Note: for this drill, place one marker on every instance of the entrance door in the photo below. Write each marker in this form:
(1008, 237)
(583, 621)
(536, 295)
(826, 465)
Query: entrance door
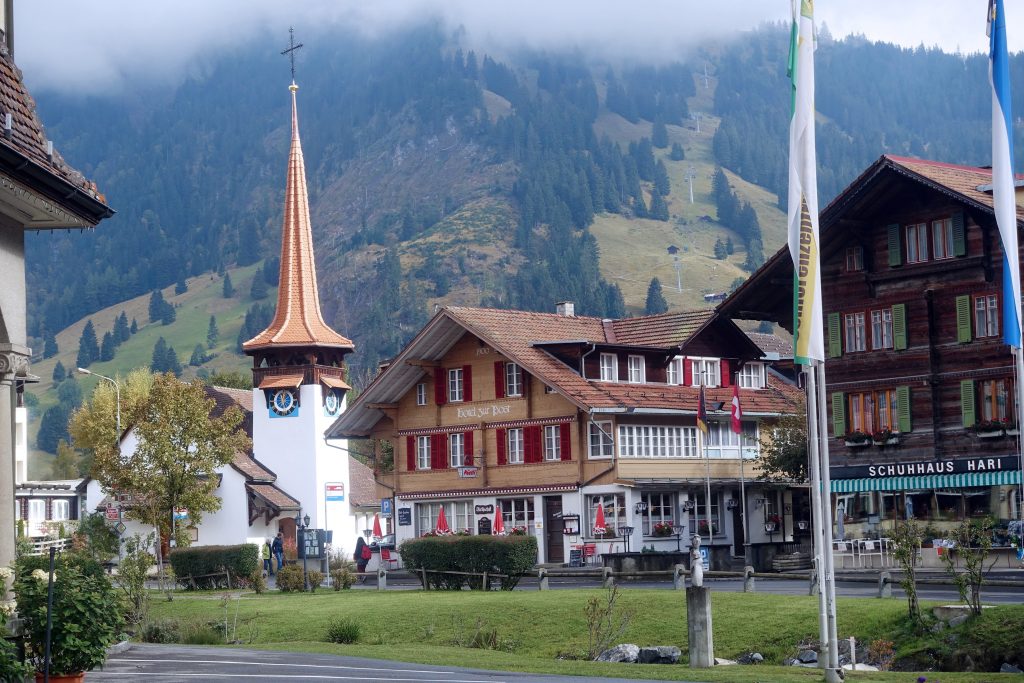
(737, 532)
(553, 526)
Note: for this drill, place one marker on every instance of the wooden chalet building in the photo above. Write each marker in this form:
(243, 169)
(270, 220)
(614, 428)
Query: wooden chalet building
(920, 383)
(544, 417)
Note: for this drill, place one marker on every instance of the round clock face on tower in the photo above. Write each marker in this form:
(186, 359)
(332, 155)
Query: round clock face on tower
(284, 402)
(332, 401)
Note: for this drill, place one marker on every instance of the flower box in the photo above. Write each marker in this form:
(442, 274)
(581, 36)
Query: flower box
(857, 444)
(1012, 432)
(994, 434)
(891, 441)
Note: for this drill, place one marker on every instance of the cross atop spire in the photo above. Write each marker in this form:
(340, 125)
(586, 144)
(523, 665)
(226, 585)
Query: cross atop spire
(290, 50)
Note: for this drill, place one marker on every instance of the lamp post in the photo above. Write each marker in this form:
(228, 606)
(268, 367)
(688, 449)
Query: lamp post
(117, 439)
(626, 532)
(302, 523)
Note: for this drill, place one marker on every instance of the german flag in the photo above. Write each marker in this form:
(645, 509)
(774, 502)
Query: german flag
(702, 413)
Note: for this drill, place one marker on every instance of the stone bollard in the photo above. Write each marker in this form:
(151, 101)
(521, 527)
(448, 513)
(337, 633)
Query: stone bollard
(607, 579)
(382, 579)
(970, 595)
(813, 589)
(542, 574)
(679, 577)
(884, 585)
(748, 579)
(698, 627)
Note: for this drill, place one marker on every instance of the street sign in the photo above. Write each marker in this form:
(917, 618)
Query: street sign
(335, 491)
(385, 508)
(468, 472)
(180, 514)
(112, 514)
(705, 558)
(120, 528)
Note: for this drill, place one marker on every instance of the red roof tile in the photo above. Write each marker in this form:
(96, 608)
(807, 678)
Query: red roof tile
(667, 329)
(275, 496)
(363, 488)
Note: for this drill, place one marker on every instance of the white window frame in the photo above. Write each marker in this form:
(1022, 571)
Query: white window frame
(855, 330)
(516, 447)
(657, 441)
(854, 259)
(660, 507)
(60, 509)
(609, 367)
(986, 315)
(752, 376)
(552, 443)
(455, 385)
(614, 513)
(601, 440)
(637, 369)
(708, 370)
(516, 512)
(917, 242)
(423, 452)
(722, 442)
(881, 329)
(39, 505)
(674, 371)
(699, 513)
(942, 239)
(457, 449)
(459, 513)
(421, 394)
(513, 380)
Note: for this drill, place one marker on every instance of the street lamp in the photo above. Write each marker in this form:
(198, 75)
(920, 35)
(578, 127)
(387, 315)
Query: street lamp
(117, 396)
(302, 523)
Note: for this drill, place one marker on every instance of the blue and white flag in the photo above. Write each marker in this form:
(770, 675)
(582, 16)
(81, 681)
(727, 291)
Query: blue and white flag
(1002, 171)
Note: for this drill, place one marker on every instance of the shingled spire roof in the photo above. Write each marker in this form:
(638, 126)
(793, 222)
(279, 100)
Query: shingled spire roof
(297, 321)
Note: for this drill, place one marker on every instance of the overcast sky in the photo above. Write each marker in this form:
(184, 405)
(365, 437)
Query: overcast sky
(98, 46)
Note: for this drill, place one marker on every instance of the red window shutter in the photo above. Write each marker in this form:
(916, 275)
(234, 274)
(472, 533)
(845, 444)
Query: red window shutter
(499, 379)
(526, 381)
(687, 372)
(726, 375)
(440, 386)
(501, 437)
(468, 448)
(443, 440)
(565, 439)
(410, 453)
(538, 443)
(467, 383)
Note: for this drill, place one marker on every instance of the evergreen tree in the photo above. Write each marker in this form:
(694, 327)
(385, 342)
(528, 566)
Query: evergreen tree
(107, 347)
(50, 346)
(158, 363)
(659, 133)
(272, 270)
(639, 205)
(180, 287)
(53, 428)
(88, 347)
(169, 314)
(59, 373)
(720, 249)
(661, 184)
(156, 306)
(659, 209)
(121, 331)
(173, 365)
(198, 356)
(259, 287)
(212, 333)
(229, 289)
(655, 299)
(135, 326)
(676, 154)
(730, 248)
(69, 393)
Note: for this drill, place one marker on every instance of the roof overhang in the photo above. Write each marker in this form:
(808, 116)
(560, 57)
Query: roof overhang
(39, 199)
(282, 382)
(334, 383)
(469, 493)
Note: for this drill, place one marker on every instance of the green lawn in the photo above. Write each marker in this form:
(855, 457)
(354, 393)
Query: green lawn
(535, 627)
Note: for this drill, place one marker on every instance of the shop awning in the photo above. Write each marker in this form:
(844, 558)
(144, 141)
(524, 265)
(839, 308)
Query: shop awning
(929, 481)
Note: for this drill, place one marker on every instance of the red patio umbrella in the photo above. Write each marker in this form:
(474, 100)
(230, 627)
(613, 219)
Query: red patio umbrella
(442, 523)
(376, 527)
(599, 527)
(499, 523)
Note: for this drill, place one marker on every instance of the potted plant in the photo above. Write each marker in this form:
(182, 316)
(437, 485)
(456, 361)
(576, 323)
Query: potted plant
(702, 527)
(662, 529)
(517, 531)
(989, 429)
(885, 437)
(772, 523)
(86, 615)
(857, 439)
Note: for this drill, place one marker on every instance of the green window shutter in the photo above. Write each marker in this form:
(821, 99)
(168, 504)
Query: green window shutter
(903, 408)
(895, 248)
(899, 327)
(835, 340)
(967, 402)
(959, 234)
(963, 319)
(839, 414)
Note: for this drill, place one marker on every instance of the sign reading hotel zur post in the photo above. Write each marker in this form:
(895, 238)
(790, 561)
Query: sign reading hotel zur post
(335, 491)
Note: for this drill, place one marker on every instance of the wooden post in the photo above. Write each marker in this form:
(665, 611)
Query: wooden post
(423, 573)
(483, 584)
(748, 579)
(679, 577)
(542, 574)
(884, 585)
(382, 579)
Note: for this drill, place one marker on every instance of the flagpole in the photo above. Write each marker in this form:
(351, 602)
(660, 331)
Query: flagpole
(814, 473)
(1018, 354)
(707, 482)
(824, 472)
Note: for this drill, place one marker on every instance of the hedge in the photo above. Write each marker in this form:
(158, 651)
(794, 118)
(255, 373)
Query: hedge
(214, 566)
(511, 556)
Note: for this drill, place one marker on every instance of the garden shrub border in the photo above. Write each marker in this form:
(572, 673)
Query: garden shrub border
(509, 556)
(214, 566)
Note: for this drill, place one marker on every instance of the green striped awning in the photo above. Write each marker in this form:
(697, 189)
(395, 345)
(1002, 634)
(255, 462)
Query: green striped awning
(928, 481)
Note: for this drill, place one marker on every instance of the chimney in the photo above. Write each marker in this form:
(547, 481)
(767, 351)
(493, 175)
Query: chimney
(566, 308)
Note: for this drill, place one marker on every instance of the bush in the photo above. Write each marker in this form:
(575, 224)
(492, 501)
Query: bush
(162, 631)
(342, 579)
(214, 566)
(316, 579)
(289, 578)
(131, 577)
(512, 556)
(343, 630)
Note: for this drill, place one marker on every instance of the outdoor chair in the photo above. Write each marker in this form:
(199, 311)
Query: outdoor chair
(386, 559)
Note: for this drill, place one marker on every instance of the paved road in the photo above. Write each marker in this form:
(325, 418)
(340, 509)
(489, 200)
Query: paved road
(176, 663)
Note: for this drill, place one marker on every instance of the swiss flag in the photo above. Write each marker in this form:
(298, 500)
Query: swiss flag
(737, 412)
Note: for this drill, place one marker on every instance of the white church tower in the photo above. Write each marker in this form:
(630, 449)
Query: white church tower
(299, 376)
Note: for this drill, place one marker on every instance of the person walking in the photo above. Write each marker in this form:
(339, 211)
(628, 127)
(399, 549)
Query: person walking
(362, 557)
(265, 554)
(278, 550)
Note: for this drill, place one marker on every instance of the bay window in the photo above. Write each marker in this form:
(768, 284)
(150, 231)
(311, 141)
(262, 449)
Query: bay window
(614, 505)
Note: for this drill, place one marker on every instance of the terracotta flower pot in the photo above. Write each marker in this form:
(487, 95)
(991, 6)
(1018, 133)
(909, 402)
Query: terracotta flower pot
(62, 678)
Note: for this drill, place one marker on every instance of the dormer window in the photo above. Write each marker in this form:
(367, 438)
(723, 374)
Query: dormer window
(854, 259)
(609, 367)
(706, 371)
(675, 371)
(636, 369)
(752, 376)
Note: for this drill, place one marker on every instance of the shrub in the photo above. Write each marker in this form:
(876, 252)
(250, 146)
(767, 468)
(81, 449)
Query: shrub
(131, 577)
(289, 578)
(343, 630)
(342, 579)
(511, 556)
(214, 566)
(316, 579)
(258, 582)
(161, 631)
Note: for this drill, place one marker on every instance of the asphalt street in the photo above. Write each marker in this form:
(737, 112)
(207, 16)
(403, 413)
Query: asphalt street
(175, 663)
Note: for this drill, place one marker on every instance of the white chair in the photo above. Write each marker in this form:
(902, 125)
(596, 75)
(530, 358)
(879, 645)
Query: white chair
(841, 550)
(868, 549)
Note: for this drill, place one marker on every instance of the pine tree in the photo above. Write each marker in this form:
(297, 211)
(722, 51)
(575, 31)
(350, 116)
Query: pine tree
(730, 248)
(50, 346)
(173, 365)
(107, 347)
(677, 153)
(659, 134)
(655, 299)
(639, 205)
(659, 209)
(158, 363)
(198, 356)
(259, 288)
(661, 184)
(181, 286)
(229, 289)
(59, 373)
(52, 428)
(121, 331)
(720, 249)
(272, 270)
(156, 306)
(135, 326)
(88, 347)
(212, 333)
(169, 314)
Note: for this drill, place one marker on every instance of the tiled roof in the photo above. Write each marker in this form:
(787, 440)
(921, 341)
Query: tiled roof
(274, 496)
(772, 343)
(963, 180)
(363, 489)
(667, 329)
(297, 320)
(225, 397)
(778, 397)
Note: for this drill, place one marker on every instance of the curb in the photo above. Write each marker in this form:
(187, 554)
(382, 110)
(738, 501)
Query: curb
(119, 648)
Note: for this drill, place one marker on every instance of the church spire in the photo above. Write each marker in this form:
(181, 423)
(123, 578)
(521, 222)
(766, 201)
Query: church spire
(297, 321)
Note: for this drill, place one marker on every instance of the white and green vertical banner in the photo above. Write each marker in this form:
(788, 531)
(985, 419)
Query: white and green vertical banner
(808, 336)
